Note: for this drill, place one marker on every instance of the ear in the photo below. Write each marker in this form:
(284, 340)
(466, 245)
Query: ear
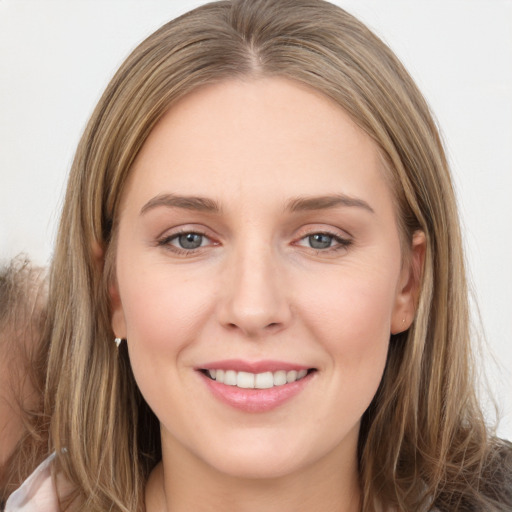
(98, 253)
(409, 285)
(117, 319)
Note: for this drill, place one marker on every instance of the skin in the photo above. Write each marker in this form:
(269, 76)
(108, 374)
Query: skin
(256, 290)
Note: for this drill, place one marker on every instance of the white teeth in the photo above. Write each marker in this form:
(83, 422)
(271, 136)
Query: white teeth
(245, 380)
(265, 380)
(230, 378)
(280, 378)
(301, 374)
(291, 376)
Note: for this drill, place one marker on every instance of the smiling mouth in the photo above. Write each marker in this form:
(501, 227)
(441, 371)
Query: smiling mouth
(248, 380)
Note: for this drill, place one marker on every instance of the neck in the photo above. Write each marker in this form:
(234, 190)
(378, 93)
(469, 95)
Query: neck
(330, 485)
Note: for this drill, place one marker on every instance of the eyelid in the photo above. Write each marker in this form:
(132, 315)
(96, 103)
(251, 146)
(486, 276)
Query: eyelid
(341, 242)
(317, 228)
(164, 240)
(343, 238)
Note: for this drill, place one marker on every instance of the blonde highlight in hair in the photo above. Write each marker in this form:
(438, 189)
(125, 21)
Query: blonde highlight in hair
(423, 441)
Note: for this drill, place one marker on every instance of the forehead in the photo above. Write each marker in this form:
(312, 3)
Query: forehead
(254, 137)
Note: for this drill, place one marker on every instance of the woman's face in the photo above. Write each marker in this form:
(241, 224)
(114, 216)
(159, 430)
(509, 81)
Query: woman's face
(259, 276)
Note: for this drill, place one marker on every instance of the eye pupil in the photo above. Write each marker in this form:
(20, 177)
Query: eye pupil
(320, 241)
(190, 240)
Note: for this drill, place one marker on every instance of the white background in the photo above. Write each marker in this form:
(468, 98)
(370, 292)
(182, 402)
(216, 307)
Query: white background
(57, 56)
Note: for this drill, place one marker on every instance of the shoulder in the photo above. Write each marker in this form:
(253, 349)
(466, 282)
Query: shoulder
(37, 493)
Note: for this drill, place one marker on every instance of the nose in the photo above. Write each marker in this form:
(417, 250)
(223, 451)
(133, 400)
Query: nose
(254, 298)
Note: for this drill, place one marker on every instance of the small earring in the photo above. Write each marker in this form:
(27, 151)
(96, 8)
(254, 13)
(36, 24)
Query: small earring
(118, 341)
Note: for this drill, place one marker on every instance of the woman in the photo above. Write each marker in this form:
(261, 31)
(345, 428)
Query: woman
(261, 215)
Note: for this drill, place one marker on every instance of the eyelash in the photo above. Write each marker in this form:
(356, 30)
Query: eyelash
(166, 242)
(341, 243)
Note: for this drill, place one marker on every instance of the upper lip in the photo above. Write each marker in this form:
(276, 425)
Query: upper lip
(239, 365)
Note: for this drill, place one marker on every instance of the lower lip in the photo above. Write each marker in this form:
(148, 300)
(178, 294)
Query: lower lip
(256, 400)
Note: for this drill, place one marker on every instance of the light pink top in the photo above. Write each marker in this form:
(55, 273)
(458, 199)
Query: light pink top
(37, 493)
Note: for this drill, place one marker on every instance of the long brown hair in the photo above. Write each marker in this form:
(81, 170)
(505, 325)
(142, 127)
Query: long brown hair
(423, 440)
(23, 294)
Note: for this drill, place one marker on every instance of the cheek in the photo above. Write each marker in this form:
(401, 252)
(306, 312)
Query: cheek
(163, 313)
(351, 318)
(162, 308)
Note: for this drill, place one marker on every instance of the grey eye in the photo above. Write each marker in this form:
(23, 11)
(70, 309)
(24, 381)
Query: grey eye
(190, 241)
(320, 241)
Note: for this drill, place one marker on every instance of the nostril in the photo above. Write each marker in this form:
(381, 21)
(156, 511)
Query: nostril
(272, 325)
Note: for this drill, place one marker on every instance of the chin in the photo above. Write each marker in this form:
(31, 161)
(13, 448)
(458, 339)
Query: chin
(264, 458)
(258, 467)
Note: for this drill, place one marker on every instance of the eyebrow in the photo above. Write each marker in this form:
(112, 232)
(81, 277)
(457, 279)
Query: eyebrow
(300, 204)
(202, 204)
